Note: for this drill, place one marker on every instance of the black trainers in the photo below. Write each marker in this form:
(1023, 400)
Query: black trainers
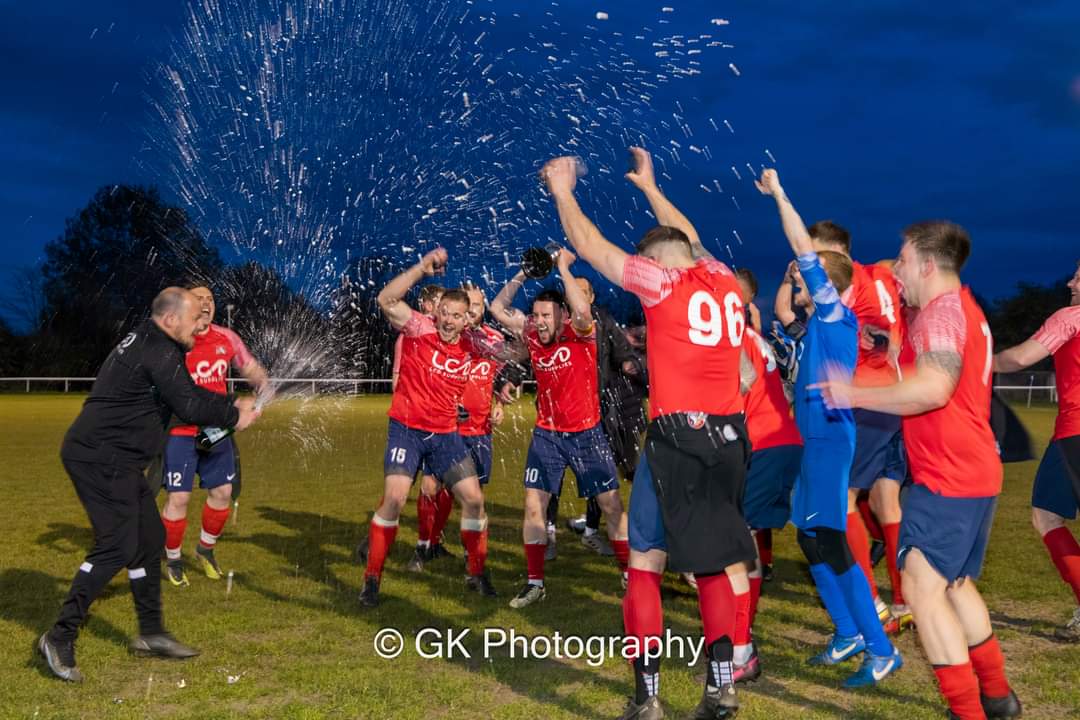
(369, 596)
(361, 551)
(717, 703)
(651, 709)
(766, 572)
(60, 657)
(161, 645)
(437, 551)
(416, 563)
(877, 551)
(1003, 707)
(482, 584)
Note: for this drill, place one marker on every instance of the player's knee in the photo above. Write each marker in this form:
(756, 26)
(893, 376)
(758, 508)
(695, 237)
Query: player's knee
(222, 494)
(885, 499)
(834, 551)
(922, 583)
(176, 504)
(610, 502)
(808, 545)
(1045, 521)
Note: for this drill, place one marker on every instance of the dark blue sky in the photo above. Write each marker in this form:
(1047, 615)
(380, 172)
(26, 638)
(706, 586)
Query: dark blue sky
(878, 113)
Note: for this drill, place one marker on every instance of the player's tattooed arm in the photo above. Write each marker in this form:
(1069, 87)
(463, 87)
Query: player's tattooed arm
(747, 373)
(947, 362)
(928, 388)
(391, 298)
(644, 179)
(502, 307)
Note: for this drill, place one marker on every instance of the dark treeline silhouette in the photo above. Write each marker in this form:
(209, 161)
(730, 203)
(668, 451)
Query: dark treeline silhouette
(99, 277)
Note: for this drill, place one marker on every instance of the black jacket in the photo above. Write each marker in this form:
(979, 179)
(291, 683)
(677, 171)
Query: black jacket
(142, 382)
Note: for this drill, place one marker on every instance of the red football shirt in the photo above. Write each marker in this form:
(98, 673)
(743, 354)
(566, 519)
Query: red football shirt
(952, 450)
(567, 393)
(1060, 334)
(208, 362)
(478, 391)
(695, 322)
(875, 299)
(769, 422)
(433, 376)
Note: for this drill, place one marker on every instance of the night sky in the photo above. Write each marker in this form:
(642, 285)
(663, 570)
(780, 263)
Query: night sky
(879, 114)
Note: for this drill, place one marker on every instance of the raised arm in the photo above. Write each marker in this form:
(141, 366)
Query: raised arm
(794, 229)
(644, 179)
(391, 298)
(560, 175)
(782, 305)
(581, 311)
(502, 306)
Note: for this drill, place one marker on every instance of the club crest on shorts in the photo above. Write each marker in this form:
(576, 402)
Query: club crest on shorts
(696, 419)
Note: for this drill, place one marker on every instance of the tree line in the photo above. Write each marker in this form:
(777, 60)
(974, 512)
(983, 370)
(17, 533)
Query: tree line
(98, 278)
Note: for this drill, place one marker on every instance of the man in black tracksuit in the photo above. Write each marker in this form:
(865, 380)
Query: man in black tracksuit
(121, 427)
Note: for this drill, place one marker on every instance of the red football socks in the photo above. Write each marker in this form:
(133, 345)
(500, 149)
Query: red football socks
(380, 539)
(860, 548)
(989, 666)
(892, 543)
(426, 510)
(174, 535)
(475, 542)
(534, 560)
(961, 690)
(1065, 553)
(213, 522)
(717, 604)
(643, 615)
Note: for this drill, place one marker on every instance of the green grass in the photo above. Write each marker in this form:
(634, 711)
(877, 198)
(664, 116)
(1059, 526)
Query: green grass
(293, 633)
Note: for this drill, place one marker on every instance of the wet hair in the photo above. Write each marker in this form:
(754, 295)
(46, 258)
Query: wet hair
(168, 302)
(552, 296)
(431, 293)
(195, 282)
(838, 267)
(830, 233)
(663, 234)
(454, 295)
(946, 242)
(747, 276)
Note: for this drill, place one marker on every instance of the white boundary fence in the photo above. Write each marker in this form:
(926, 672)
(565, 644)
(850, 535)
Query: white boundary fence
(316, 384)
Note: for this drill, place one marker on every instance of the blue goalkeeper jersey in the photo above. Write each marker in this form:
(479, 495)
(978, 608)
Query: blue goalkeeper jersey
(831, 341)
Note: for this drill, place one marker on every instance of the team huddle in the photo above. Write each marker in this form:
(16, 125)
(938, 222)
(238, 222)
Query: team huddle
(863, 413)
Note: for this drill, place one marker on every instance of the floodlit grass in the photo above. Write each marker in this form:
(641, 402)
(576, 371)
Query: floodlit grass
(292, 632)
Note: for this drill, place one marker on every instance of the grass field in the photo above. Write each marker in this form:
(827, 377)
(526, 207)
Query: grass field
(291, 642)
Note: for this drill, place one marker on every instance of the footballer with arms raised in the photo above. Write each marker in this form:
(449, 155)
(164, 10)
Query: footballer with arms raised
(685, 507)
(435, 361)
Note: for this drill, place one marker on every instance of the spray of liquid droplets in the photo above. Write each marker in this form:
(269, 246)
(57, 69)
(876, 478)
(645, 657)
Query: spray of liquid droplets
(334, 142)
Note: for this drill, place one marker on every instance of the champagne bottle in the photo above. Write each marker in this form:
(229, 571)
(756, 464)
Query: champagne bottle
(209, 436)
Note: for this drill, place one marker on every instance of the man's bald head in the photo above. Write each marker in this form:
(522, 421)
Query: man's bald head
(177, 312)
(169, 301)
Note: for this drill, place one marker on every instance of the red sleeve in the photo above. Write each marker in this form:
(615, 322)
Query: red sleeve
(940, 327)
(646, 279)
(1059, 328)
(241, 355)
(418, 324)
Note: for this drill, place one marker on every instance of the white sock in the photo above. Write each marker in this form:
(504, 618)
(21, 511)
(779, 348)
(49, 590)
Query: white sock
(743, 653)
